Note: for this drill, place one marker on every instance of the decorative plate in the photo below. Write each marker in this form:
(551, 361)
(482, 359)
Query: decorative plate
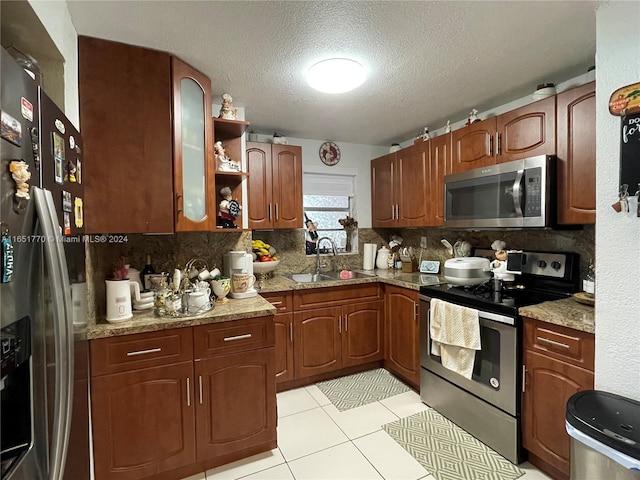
(329, 153)
(583, 298)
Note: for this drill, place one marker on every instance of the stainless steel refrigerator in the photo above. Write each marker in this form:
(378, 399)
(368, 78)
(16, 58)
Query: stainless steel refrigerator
(44, 380)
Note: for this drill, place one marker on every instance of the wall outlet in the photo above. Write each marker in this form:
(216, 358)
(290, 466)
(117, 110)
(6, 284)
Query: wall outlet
(423, 242)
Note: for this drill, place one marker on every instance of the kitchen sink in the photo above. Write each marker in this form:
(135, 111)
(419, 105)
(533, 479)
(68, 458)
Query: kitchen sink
(324, 276)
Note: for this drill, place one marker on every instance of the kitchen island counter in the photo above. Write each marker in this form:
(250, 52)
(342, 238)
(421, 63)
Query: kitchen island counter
(147, 321)
(566, 313)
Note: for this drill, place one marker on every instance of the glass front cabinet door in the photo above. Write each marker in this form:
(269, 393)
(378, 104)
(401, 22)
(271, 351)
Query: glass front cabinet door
(195, 199)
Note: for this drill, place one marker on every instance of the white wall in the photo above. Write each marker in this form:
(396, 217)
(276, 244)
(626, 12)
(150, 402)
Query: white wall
(55, 17)
(617, 235)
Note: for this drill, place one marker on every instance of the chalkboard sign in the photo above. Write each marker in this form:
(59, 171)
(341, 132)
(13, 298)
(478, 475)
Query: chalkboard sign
(630, 152)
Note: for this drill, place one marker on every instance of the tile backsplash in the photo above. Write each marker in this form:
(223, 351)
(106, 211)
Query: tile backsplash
(172, 251)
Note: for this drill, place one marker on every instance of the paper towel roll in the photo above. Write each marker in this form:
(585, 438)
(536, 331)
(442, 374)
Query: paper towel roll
(369, 259)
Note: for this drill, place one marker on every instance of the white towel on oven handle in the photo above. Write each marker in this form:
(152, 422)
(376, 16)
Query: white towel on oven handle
(455, 336)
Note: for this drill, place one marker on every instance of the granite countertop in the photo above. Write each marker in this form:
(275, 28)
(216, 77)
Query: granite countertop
(412, 281)
(566, 312)
(146, 321)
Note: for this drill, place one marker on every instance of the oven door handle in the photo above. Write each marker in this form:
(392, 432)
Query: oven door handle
(517, 193)
(497, 318)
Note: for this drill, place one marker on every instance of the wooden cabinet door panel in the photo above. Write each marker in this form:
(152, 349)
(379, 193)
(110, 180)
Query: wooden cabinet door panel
(284, 346)
(362, 333)
(440, 166)
(401, 328)
(316, 341)
(236, 410)
(527, 131)
(413, 187)
(576, 113)
(259, 185)
(287, 185)
(143, 421)
(128, 149)
(472, 146)
(548, 385)
(383, 178)
(189, 158)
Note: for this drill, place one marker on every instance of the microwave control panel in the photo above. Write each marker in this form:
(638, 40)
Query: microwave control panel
(533, 192)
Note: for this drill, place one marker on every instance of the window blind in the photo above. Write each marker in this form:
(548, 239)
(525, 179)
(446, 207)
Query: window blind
(326, 184)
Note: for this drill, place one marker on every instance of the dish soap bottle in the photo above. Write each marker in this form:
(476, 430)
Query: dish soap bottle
(589, 282)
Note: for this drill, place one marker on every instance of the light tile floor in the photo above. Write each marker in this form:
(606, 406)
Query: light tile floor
(316, 441)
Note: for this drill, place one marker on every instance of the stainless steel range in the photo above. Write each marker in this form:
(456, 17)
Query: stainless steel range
(488, 404)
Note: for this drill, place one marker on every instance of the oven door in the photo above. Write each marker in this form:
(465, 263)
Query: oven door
(495, 372)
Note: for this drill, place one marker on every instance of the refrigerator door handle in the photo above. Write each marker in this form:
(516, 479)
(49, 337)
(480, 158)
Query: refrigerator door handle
(60, 293)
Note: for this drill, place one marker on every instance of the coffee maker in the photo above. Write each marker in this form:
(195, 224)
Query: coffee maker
(239, 261)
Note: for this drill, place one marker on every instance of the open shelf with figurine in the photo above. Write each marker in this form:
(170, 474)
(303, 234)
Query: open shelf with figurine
(229, 168)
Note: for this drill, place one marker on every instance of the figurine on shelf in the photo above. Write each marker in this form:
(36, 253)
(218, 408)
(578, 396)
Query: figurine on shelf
(223, 162)
(473, 117)
(227, 111)
(447, 127)
(310, 236)
(229, 209)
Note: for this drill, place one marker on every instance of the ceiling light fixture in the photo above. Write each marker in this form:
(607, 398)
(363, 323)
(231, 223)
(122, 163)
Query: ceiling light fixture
(336, 75)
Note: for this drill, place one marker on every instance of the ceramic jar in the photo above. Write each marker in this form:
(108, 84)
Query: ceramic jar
(382, 258)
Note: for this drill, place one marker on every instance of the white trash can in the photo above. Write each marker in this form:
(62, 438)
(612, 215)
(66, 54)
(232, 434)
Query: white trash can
(605, 436)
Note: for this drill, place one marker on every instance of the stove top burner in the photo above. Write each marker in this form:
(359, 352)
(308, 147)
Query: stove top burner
(507, 300)
(545, 276)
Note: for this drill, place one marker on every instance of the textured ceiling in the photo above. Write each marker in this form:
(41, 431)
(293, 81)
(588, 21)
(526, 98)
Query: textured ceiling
(428, 61)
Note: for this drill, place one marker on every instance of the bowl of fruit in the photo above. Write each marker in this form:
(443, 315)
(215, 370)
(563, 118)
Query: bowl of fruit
(265, 259)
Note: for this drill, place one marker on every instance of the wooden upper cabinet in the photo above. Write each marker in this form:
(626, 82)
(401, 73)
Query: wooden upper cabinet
(400, 189)
(440, 166)
(576, 122)
(521, 133)
(259, 185)
(472, 146)
(412, 194)
(193, 172)
(527, 131)
(383, 173)
(125, 113)
(275, 185)
(286, 168)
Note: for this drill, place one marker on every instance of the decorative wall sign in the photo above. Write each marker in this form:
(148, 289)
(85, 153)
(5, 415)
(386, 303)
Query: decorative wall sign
(625, 100)
(630, 151)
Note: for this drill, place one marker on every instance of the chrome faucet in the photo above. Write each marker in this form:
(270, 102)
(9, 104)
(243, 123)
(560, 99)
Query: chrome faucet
(333, 247)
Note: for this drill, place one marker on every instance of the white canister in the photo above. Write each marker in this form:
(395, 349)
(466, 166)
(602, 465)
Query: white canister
(382, 258)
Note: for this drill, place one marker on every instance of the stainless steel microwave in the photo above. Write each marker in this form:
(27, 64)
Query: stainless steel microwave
(516, 194)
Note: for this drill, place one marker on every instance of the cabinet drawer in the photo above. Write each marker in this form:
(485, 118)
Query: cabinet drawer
(332, 296)
(141, 350)
(283, 301)
(233, 336)
(572, 346)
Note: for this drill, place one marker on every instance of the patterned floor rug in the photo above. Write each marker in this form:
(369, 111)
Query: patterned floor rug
(447, 451)
(361, 388)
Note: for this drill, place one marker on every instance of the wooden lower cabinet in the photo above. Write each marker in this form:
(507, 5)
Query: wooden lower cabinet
(170, 403)
(402, 333)
(316, 342)
(283, 322)
(558, 363)
(284, 347)
(235, 402)
(362, 333)
(143, 423)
